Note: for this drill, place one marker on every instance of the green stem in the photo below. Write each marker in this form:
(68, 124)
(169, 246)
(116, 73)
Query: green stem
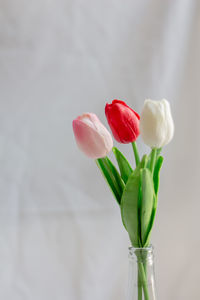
(153, 159)
(158, 151)
(135, 150)
(139, 287)
(143, 279)
(145, 267)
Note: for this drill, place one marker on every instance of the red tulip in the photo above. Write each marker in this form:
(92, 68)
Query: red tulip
(123, 121)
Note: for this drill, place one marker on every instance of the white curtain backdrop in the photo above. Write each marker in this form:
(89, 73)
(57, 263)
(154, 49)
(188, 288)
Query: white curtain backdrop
(61, 235)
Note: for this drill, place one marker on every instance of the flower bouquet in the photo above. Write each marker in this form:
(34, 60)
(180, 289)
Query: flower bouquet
(135, 189)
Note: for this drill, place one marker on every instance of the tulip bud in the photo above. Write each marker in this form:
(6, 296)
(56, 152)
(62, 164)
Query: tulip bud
(156, 124)
(123, 121)
(91, 136)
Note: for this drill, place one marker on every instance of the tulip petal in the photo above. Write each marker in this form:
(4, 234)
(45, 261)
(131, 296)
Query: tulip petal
(124, 103)
(156, 124)
(91, 136)
(123, 121)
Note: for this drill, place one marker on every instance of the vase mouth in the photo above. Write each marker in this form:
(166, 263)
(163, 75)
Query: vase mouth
(141, 253)
(149, 248)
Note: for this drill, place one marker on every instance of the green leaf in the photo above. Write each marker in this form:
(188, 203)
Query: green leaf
(157, 155)
(159, 151)
(130, 204)
(156, 174)
(139, 214)
(117, 176)
(149, 160)
(155, 200)
(156, 187)
(124, 166)
(141, 165)
(129, 207)
(147, 202)
(112, 177)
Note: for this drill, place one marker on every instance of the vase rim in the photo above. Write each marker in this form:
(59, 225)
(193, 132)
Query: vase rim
(149, 248)
(141, 254)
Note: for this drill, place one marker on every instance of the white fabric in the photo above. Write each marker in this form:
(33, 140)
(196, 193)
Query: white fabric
(61, 236)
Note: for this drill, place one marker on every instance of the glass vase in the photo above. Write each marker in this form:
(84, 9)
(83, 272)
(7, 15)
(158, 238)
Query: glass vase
(141, 280)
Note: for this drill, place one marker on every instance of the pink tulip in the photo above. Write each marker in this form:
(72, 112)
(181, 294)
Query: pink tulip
(91, 136)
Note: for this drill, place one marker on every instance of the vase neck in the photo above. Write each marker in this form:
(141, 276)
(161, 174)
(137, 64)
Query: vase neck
(141, 284)
(145, 255)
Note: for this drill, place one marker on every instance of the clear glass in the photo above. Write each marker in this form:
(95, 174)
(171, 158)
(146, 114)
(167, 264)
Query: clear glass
(141, 281)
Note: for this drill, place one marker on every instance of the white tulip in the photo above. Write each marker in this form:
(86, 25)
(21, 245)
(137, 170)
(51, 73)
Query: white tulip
(156, 123)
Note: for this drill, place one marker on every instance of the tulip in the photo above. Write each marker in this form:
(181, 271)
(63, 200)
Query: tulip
(156, 124)
(123, 121)
(91, 136)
